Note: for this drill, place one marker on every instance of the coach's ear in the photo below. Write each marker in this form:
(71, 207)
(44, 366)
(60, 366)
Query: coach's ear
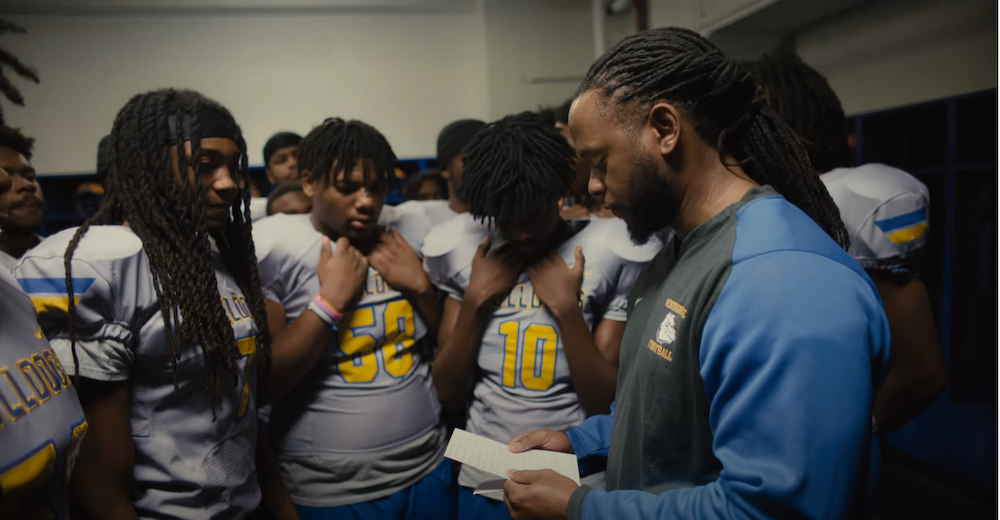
(307, 184)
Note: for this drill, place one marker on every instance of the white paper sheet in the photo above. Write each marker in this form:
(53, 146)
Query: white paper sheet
(495, 458)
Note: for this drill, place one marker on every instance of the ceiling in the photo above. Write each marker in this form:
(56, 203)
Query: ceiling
(104, 7)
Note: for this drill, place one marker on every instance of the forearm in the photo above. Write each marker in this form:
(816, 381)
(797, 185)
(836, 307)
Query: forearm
(899, 400)
(454, 367)
(917, 367)
(594, 378)
(102, 480)
(295, 351)
(275, 500)
(429, 307)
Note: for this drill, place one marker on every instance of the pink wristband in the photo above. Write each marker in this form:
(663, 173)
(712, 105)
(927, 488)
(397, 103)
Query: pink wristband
(327, 308)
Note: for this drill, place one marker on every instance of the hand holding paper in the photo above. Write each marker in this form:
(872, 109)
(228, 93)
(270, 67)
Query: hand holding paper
(495, 458)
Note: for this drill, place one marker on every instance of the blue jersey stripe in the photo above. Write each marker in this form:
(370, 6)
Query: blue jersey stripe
(902, 221)
(53, 285)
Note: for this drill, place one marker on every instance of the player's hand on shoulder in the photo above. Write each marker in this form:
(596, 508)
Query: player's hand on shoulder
(494, 273)
(557, 284)
(399, 264)
(342, 272)
(550, 440)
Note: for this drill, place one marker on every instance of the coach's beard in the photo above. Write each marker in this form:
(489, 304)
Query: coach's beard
(649, 204)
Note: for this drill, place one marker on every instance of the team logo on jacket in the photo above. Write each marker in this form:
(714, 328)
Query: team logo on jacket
(667, 332)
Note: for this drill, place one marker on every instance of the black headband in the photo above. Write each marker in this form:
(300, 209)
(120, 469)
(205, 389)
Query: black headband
(211, 123)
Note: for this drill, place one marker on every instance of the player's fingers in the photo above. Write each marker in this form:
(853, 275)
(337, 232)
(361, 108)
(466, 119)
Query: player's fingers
(506, 502)
(527, 441)
(524, 476)
(324, 250)
(344, 245)
(578, 266)
(484, 246)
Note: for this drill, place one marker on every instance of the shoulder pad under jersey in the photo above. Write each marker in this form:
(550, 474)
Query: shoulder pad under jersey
(886, 212)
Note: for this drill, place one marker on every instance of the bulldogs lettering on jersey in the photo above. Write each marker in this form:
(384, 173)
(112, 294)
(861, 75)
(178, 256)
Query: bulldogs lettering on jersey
(41, 422)
(524, 380)
(885, 211)
(186, 464)
(370, 393)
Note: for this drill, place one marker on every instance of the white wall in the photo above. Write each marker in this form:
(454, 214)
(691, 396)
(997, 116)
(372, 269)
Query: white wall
(536, 52)
(898, 55)
(408, 74)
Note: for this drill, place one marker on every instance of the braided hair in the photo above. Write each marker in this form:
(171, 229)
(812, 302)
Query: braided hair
(723, 104)
(513, 168)
(167, 215)
(14, 63)
(804, 99)
(331, 150)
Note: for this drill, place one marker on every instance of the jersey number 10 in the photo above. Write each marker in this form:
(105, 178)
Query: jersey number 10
(536, 351)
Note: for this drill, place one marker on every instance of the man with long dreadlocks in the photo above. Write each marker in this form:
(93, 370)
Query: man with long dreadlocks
(155, 302)
(532, 340)
(359, 436)
(748, 361)
(885, 210)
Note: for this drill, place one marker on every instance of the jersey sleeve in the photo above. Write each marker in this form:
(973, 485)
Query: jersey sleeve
(892, 239)
(617, 309)
(627, 260)
(412, 225)
(107, 301)
(280, 246)
(448, 250)
(789, 381)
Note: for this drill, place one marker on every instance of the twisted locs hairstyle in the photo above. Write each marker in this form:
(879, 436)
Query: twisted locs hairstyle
(167, 214)
(514, 167)
(331, 150)
(8, 60)
(724, 105)
(804, 99)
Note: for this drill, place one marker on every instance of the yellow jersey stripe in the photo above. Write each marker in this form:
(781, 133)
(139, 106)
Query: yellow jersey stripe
(907, 234)
(53, 303)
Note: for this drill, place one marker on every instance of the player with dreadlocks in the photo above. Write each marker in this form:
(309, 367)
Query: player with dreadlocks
(885, 210)
(155, 302)
(530, 339)
(748, 361)
(358, 434)
(41, 421)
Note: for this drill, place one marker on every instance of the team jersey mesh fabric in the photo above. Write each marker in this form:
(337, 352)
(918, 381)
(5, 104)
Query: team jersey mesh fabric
(41, 422)
(363, 423)
(187, 465)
